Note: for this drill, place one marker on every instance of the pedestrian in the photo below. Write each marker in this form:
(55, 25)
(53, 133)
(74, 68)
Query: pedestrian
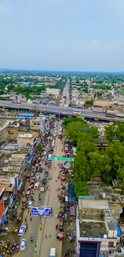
(45, 235)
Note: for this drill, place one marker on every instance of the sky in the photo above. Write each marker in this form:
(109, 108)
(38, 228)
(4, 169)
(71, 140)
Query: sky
(62, 35)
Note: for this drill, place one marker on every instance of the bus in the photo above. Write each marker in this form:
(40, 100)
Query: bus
(77, 112)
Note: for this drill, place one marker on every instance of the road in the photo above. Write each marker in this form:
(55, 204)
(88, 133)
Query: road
(33, 226)
(65, 94)
(59, 109)
(51, 222)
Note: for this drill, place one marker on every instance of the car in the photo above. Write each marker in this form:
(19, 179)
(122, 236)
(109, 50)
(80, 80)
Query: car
(40, 169)
(46, 173)
(30, 204)
(21, 230)
(38, 178)
(44, 181)
(23, 245)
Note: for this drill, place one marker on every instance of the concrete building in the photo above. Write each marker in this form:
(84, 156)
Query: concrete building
(52, 91)
(96, 229)
(13, 131)
(38, 124)
(12, 163)
(27, 139)
(50, 83)
(3, 131)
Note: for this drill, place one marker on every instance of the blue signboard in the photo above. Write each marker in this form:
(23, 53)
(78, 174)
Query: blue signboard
(41, 211)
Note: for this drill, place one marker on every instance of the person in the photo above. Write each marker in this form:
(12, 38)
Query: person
(30, 218)
(26, 225)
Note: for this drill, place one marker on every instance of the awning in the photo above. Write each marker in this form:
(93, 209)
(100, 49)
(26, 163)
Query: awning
(67, 165)
(5, 198)
(29, 162)
(20, 185)
(4, 218)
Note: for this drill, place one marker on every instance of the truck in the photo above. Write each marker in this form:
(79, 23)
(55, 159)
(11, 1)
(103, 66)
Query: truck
(16, 102)
(53, 252)
(98, 110)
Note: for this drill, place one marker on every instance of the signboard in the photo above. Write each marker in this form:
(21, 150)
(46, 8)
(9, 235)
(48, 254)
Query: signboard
(52, 115)
(41, 211)
(36, 133)
(62, 159)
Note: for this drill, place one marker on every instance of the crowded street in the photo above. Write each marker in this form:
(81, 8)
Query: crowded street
(45, 188)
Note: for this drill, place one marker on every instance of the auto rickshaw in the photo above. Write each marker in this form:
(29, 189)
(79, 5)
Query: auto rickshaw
(40, 226)
(15, 230)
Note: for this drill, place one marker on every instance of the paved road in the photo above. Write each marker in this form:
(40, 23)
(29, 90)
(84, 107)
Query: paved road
(59, 109)
(51, 222)
(33, 226)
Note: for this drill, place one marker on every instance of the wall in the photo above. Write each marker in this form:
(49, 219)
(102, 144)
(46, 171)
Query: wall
(4, 134)
(22, 141)
(13, 132)
(1, 208)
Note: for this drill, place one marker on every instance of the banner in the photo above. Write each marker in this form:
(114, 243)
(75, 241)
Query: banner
(41, 211)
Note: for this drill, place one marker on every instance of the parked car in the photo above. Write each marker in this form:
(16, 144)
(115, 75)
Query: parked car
(23, 245)
(21, 230)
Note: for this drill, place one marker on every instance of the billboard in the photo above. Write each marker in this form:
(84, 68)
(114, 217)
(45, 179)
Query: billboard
(41, 211)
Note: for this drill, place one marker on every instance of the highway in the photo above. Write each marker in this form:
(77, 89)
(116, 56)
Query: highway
(57, 109)
(49, 108)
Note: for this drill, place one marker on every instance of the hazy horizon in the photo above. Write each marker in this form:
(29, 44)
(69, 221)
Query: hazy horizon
(62, 35)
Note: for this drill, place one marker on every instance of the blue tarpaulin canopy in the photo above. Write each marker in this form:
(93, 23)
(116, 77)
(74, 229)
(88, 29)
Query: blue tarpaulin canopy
(20, 185)
(71, 194)
(29, 162)
(27, 114)
(4, 218)
(118, 230)
(15, 139)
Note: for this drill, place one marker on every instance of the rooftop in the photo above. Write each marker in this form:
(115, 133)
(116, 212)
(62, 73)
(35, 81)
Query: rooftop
(91, 229)
(28, 135)
(93, 204)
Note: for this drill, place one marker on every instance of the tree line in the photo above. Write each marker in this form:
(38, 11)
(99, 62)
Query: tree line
(89, 160)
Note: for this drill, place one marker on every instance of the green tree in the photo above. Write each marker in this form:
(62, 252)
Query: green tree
(81, 189)
(110, 132)
(73, 128)
(40, 147)
(89, 102)
(67, 120)
(94, 132)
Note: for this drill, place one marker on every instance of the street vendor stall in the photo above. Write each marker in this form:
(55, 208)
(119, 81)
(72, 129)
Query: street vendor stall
(61, 234)
(63, 178)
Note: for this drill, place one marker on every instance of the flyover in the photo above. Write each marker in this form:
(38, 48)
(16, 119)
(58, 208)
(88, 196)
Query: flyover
(58, 110)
